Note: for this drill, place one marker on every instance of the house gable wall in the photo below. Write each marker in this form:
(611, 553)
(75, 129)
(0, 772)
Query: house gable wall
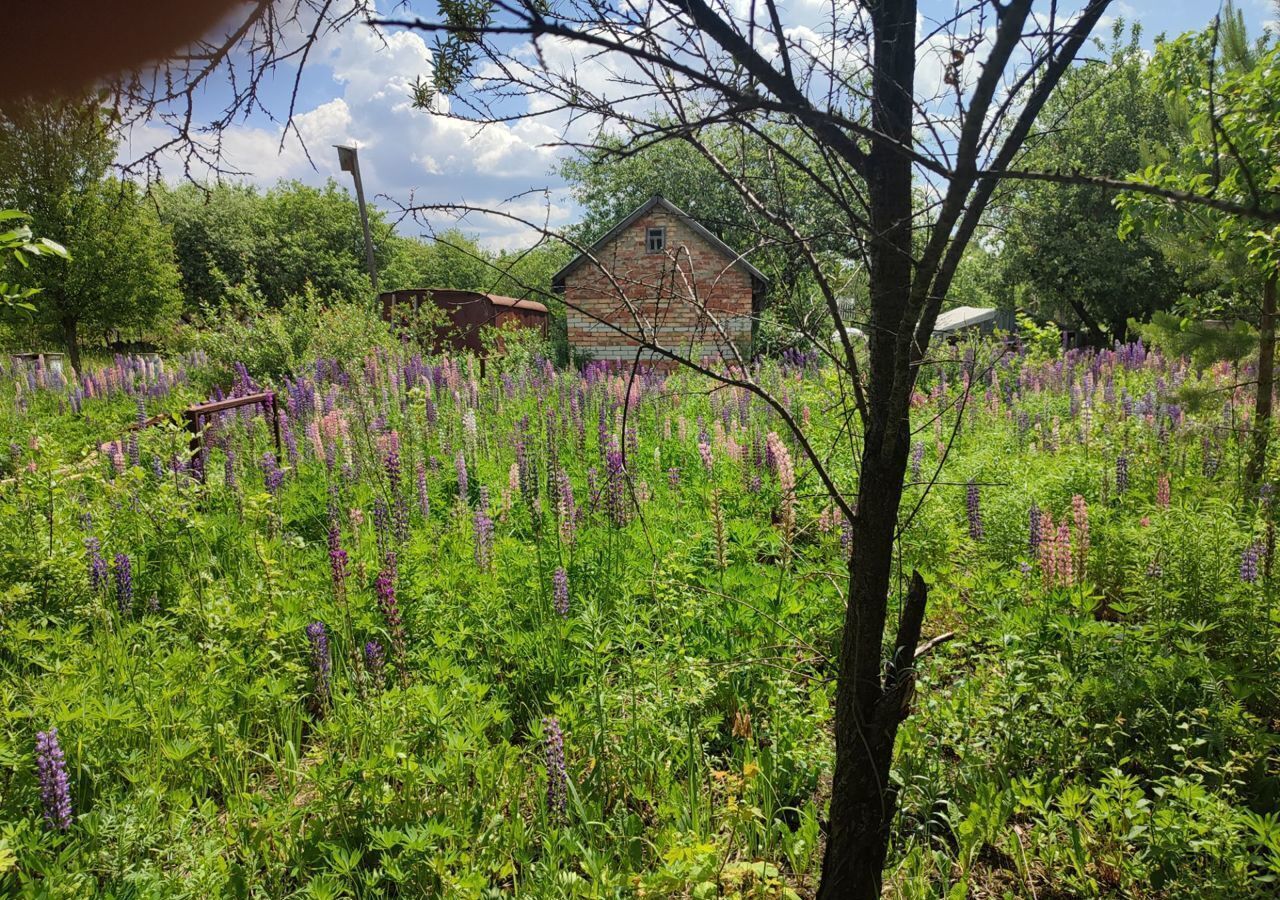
(680, 293)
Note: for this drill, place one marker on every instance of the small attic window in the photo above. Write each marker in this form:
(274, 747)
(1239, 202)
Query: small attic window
(655, 239)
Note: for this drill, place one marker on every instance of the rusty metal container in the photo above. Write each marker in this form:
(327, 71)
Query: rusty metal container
(468, 312)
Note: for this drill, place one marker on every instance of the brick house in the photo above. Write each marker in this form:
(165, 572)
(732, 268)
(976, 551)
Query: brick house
(660, 274)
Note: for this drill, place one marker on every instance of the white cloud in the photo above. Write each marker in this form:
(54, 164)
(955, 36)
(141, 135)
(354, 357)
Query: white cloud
(404, 152)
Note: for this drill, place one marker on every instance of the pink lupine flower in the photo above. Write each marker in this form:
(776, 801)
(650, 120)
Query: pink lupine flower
(1080, 515)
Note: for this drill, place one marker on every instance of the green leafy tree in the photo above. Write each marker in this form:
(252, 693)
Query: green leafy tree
(1061, 254)
(1225, 103)
(314, 236)
(218, 233)
(453, 260)
(233, 241)
(19, 240)
(54, 156)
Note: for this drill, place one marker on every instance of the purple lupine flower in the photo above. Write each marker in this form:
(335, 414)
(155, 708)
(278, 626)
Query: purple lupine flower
(390, 609)
(1209, 459)
(1033, 516)
(917, 457)
(461, 463)
(673, 477)
(557, 776)
(566, 507)
(561, 591)
(382, 525)
(272, 475)
(616, 497)
(975, 511)
(1122, 473)
(1249, 563)
(124, 583)
(290, 440)
(55, 789)
(337, 558)
(97, 565)
(321, 664)
(424, 499)
(374, 661)
(392, 465)
(482, 529)
(229, 469)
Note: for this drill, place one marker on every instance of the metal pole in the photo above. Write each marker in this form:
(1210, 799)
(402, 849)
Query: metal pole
(349, 161)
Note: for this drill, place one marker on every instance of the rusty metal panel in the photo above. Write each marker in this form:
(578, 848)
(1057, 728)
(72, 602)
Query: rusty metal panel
(469, 312)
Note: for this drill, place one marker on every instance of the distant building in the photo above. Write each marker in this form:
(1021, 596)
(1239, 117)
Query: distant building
(660, 273)
(467, 312)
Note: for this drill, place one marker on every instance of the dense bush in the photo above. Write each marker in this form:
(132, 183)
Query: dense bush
(273, 343)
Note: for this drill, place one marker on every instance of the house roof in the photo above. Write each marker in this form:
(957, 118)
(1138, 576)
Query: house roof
(453, 295)
(963, 317)
(557, 280)
(516, 303)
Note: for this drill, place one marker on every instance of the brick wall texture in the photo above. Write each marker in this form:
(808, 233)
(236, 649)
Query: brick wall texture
(677, 296)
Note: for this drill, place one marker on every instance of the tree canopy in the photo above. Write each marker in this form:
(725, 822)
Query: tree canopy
(1061, 254)
(121, 276)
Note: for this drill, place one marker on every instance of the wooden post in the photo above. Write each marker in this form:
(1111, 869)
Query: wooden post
(193, 425)
(194, 415)
(275, 420)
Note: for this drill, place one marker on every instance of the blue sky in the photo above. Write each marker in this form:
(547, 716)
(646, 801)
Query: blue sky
(356, 90)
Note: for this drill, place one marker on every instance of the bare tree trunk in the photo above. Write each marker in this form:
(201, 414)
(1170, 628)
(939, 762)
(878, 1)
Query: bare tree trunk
(71, 337)
(1266, 383)
(869, 708)
(866, 713)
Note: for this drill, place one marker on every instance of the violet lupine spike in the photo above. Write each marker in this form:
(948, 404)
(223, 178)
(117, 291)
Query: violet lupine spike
(463, 485)
(1034, 521)
(1122, 473)
(229, 469)
(374, 661)
(424, 499)
(917, 457)
(321, 663)
(561, 591)
(566, 507)
(973, 503)
(557, 775)
(382, 525)
(391, 461)
(55, 788)
(124, 583)
(337, 559)
(390, 609)
(97, 565)
(482, 530)
(272, 475)
(615, 487)
(1249, 563)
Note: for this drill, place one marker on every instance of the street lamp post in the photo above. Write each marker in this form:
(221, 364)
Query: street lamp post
(349, 161)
